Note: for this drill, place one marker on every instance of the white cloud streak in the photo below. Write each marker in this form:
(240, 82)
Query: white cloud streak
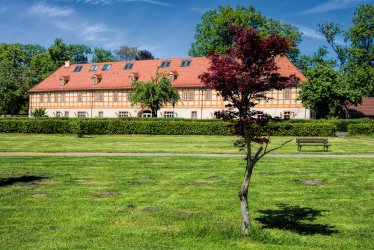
(198, 10)
(332, 5)
(105, 2)
(90, 32)
(44, 10)
(312, 33)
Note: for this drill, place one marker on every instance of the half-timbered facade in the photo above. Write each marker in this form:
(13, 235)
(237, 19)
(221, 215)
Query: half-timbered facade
(102, 90)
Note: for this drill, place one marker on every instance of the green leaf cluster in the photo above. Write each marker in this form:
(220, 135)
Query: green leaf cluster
(154, 94)
(212, 34)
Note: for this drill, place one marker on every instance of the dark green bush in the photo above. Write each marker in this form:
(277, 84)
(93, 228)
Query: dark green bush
(152, 126)
(361, 129)
(318, 128)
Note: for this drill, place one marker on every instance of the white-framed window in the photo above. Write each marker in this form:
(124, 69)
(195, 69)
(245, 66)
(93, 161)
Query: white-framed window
(194, 114)
(56, 98)
(287, 93)
(81, 114)
(101, 114)
(123, 114)
(58, 113)
(208, 95)
(41, 98)
(94, 67)
(79, 98)
(185, 95)
(66, 113)
(169, 114)
(191, 95)
(48, 98)
(99, 97)
(115, 97)
(286, 115)
(62, 97)
(171, 78)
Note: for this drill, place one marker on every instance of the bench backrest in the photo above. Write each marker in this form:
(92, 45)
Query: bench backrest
(312, 140)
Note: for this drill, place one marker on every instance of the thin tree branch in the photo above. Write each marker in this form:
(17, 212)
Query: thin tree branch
(271, 150)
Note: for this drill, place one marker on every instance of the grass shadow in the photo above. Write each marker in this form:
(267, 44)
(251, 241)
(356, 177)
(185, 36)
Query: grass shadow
(21, 179)
(295, 218)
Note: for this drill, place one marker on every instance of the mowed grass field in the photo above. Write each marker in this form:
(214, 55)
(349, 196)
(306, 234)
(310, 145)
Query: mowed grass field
(182, 202)
(167, 144)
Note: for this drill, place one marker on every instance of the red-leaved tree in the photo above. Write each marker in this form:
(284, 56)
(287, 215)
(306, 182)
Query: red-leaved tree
(243, 77)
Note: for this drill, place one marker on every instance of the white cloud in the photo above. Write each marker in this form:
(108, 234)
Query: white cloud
(308, 32)
(331, 5)
(312, 33)
(42, 9)
(103, 2)
(198, 10)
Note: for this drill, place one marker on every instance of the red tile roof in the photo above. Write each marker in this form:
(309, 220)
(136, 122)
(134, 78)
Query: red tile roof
(366, 108)
(118, 78)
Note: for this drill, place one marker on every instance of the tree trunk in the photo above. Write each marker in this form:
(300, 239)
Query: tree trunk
(154, 112)
(244, 208)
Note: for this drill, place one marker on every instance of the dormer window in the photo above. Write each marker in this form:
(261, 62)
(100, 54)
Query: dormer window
(128, 66)
(165, 64)
(133, 77)
(96, 79)
(64, 80)
(94, 67)
(185, 63)
(172, 75)
(106, 67)
(78, 69)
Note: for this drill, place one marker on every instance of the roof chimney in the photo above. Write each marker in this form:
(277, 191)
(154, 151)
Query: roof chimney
(67, 64)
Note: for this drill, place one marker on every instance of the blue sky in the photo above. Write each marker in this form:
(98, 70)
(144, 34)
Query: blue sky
(164, 27)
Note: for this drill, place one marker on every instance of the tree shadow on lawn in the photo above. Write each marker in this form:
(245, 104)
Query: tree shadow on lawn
(292, 218)
(24, 179)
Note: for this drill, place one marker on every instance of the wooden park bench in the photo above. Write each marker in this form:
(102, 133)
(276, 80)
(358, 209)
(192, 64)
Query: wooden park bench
(313, 142)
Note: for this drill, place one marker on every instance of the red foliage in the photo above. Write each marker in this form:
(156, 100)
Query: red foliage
(249, 70)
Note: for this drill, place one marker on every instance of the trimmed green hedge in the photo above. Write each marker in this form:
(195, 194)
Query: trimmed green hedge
(151, 126)
(305, 129)
(361, 129)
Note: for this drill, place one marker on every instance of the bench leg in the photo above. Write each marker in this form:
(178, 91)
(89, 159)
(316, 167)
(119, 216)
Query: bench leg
(299, 148)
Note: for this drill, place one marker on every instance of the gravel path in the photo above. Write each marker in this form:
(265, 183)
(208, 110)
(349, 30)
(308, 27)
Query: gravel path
(81, 154)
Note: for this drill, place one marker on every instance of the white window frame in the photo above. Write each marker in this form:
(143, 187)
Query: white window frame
(169, 114)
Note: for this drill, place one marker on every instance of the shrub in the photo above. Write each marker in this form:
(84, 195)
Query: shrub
(361, 129)
(152, 126)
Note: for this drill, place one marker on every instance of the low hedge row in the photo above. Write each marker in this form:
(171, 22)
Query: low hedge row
(151, 126)
(361, 129)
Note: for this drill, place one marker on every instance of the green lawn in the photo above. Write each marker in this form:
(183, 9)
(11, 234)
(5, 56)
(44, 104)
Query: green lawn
(182, 203)
(164, 144)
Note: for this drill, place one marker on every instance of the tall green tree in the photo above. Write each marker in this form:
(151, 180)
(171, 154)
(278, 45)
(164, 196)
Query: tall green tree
(59, 52)
(154, 94)
(128, 53)
(14, 83)
(102, 55)
(78, 53)
(356, 57)
(212, 33)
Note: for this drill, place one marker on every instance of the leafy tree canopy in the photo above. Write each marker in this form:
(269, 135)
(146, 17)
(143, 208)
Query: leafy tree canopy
(212, 34)
(127, 53)
(102, 55)
(154, 94)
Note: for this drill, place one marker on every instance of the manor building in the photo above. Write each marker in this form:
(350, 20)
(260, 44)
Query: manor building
(98, 90)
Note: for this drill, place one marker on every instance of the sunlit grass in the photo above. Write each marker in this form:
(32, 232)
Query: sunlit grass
(165, 144)
(183, 203)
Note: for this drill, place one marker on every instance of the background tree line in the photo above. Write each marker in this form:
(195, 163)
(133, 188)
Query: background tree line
(22, 66)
